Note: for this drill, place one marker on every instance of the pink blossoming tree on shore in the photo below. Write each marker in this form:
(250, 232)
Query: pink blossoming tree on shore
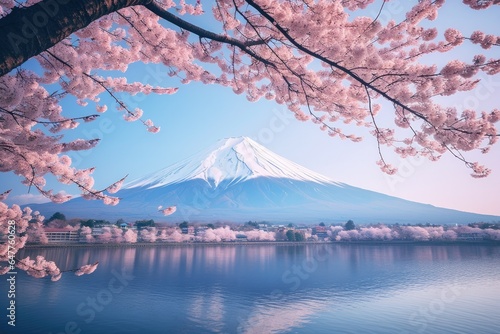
(320, 59)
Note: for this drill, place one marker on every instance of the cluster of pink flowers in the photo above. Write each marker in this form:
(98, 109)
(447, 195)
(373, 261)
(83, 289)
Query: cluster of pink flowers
(113, 234)
(414, 233)
(28, 226)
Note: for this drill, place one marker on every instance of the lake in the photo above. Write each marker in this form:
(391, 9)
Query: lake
(315, 288)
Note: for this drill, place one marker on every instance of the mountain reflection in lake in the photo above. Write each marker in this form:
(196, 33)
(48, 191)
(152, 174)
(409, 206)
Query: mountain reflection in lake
(322, 288)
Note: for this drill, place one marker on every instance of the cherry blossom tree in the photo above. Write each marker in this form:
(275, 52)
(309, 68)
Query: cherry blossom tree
(111, 234)
(86, 234)
(176, 236)
(219, 234)
(16, 224)
(414, 233)
(258, 235)
(326, 61)
(130, 236)
(149, 234)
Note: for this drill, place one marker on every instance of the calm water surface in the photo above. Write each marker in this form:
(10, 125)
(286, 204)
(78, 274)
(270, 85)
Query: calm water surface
(327, 288)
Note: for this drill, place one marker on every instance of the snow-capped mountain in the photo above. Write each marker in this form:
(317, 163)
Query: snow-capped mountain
(238, 180)
(232, 160)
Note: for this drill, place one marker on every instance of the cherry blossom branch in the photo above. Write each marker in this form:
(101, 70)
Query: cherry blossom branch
(383, 164)
(18, 113)
(10, 149)
(98, 194)
(244, 46)
(301, 78)
(353, 75)
(100, 83)
(68, 19)
(49, 268)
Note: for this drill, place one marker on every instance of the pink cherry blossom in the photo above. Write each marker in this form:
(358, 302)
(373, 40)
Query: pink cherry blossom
(167, 211)
(87, 269)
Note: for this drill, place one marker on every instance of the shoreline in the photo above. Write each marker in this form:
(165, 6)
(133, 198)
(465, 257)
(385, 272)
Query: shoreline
(266, 243)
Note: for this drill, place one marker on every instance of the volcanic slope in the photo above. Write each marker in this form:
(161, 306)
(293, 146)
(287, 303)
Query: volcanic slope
(239, 180)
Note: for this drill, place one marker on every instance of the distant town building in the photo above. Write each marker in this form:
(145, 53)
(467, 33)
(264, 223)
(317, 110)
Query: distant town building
(96, 231)
(200, 231)
(188, 230)
(61, 235)
(470, 236)
(320, 232)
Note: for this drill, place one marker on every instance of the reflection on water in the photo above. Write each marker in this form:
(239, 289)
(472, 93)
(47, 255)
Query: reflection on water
(346, 288)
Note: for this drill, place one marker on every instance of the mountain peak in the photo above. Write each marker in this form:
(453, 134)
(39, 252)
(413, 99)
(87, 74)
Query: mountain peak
(233, 159)
(237, 180)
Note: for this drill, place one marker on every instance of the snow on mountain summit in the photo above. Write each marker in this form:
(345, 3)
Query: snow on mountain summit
(238, 180)
(232, 159)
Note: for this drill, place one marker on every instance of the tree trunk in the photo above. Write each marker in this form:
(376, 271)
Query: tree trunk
(26, 32)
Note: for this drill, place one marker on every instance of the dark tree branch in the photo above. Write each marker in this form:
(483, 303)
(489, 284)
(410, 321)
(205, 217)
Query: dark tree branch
(27, 31)
(244, 46)
(49, 22)
(332, 63)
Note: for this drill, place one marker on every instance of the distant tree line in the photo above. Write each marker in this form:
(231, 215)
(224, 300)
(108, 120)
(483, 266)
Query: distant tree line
(292, 235)
(483, 226)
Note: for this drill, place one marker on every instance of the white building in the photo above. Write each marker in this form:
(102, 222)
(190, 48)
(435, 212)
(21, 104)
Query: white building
(61, 235)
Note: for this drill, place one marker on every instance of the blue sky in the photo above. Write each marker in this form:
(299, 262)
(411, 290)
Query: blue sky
(198, 115)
